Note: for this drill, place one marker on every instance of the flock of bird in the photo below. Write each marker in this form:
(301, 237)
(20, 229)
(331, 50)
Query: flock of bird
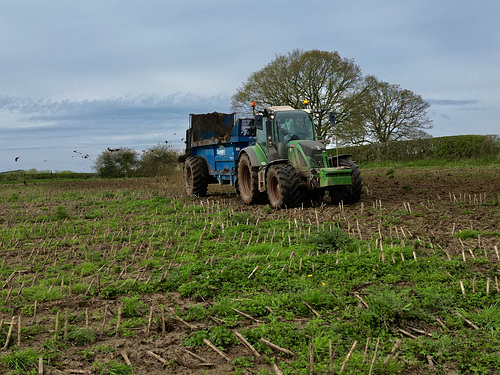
(87, 156)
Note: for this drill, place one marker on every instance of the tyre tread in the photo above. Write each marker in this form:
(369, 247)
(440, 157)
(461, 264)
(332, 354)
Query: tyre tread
(199, 173)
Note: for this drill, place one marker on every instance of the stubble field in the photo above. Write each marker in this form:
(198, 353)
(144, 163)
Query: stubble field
(131, 277)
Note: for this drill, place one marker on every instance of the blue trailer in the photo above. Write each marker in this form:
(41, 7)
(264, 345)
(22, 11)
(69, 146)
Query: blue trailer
(213, 143)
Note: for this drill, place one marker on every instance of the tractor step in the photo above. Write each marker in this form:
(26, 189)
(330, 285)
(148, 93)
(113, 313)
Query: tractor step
(262, 180)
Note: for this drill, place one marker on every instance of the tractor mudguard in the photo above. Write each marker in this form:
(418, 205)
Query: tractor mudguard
(278, 161)
(256, 155)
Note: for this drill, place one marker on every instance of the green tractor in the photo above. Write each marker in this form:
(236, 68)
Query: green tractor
(287, 164)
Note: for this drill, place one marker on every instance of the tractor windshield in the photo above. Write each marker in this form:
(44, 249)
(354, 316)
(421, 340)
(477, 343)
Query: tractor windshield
(293, 125)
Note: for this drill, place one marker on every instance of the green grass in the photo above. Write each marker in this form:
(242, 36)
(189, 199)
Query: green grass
(301, 281)
(491, 161)
(81, 336)
(112, 368)
(21, 361)
(19, 177)
(467, 233)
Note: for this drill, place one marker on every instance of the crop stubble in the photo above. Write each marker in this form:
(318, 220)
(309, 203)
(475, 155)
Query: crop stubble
(427, 206)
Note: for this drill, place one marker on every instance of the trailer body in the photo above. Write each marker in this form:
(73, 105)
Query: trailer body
(218, 138)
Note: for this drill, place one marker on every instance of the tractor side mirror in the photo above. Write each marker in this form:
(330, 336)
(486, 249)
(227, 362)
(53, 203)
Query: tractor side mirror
(258, 122)
(331, 117)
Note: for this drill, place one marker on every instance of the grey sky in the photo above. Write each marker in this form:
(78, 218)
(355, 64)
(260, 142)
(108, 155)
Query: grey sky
(85, 75)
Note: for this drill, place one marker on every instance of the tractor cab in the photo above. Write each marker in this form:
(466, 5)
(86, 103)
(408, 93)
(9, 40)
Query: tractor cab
(277, 126)
(284, 133)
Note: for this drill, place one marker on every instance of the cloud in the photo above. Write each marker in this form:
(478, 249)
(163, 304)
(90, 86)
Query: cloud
(53, 129)
(93, 74)
(126, 107)
(450, 102)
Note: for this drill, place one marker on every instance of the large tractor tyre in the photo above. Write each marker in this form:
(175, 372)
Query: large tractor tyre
(196, 176)
(247, 185)
(348, 194)
(282, 186)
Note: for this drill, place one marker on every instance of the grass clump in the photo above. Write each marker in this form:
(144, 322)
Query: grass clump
(61, 213)
(112, 368)
(243, 218)
(81, 336)
(330, 240)
(390, 308)
(22, 361)
(219, 336)
(487, 318)
(467, 233)
(133, 307)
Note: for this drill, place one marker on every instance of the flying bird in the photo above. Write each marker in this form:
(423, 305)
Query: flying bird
(113, 149)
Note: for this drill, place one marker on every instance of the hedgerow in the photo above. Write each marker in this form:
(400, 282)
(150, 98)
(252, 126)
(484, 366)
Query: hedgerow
(450, 148)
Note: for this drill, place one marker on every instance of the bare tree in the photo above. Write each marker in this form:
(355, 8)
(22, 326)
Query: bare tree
(323, 78)
(390, 113)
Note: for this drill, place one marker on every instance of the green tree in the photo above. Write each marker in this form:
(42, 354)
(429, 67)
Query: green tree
(390, 113)
(116, 163)
(159, 160)
(323, 78)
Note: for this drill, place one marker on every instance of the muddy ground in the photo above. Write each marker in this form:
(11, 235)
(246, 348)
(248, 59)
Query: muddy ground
(430, 204)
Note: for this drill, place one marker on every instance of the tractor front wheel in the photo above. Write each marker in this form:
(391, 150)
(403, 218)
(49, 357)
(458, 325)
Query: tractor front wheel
(282, 186)
(195, 176)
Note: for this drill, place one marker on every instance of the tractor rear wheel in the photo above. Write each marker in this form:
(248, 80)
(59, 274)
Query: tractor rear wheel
(282, 186)
(349, 194)
(195, 176)
(247, 183)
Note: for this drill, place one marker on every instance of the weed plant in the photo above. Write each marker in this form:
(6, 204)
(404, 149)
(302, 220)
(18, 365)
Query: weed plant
(133, 307)
(81, 336)
(112, 368)
(21, 361)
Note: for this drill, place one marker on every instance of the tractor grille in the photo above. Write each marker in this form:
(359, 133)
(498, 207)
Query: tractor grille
(313, 150)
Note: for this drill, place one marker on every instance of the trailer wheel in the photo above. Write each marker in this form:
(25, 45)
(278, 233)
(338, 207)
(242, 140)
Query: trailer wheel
(282, 186)
(348, 194)
(195, 176)
(247, 182)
